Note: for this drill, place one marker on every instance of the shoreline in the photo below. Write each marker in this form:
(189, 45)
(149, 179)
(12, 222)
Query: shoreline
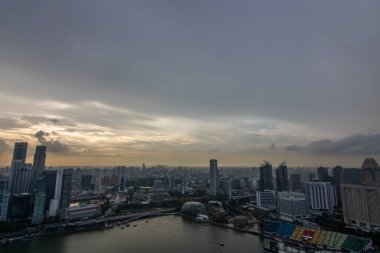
(92, 227)
(102, 226)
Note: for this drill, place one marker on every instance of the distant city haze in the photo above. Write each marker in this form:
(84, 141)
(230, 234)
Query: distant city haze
(180, 82)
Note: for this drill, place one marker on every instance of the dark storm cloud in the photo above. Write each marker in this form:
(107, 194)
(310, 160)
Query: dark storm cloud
(358, 144)
(3, 146)
(52, 145)
(294, 148)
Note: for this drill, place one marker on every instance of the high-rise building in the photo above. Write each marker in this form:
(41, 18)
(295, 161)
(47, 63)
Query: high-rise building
(361, 202)
(213, 177)
(38, 168)
(319, 196)
(370, 172)
(54, 203)
(254, 184)
(336, 182)
(361, 205)
(282, 180)
(4, 198)
(226, 187)
(85, 183)
(20, 206)
(75, 186)
(266, 199)
(266, 182)
(21, 178)
(18, 161)
(122, 184)
(323, 174)
(19, 152)
(291, 206)
(39, 160)
(351, 176)
(295, 182)
(39, 201)
(171, 183)
(66, 187)
(236, 183)
(50, 177)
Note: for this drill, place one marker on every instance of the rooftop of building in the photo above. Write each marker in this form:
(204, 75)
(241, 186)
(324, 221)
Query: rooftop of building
(370, 163)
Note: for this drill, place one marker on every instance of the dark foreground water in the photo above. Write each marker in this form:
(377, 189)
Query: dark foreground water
(169, 234)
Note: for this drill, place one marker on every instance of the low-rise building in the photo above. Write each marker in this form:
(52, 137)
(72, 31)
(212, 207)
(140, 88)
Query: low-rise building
(79, 212)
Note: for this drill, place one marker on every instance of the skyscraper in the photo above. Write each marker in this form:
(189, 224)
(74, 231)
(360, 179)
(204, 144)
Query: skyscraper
(319, 196)
(19, 152)
(226, 187)
(323, 174)
(282, 180)
(38, 168)
(20, 206)
(122, 184)
(295, 182)
(370, 172)
(54, 203)
(351, 176)
(336, 182)
(361, 205)
(39, 160)
(66, 187)
(4, 198)
(21, 178)
(39, 201)
(361, 202)
(50, 177)
(213, 176)
(18, 160)
(266, 177)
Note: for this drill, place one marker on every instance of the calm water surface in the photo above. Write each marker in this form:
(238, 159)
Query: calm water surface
(169, 234)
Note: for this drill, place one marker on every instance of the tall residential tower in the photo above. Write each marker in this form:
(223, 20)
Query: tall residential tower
(213, 176)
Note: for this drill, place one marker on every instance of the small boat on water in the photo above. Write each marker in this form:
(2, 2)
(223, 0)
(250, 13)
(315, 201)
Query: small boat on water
(221, 244)
(108, 226)
(134, 225)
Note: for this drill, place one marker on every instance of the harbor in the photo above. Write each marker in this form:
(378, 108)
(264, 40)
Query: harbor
(169, 234)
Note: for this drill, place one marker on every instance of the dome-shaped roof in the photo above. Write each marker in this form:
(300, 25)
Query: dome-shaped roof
(192, 208)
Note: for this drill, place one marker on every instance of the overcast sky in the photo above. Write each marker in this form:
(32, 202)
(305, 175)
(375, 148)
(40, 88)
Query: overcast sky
(180, 82)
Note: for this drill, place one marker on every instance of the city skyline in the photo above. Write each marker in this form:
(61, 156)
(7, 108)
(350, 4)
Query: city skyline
(178, 83)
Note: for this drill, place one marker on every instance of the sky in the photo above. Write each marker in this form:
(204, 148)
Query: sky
(180, 82)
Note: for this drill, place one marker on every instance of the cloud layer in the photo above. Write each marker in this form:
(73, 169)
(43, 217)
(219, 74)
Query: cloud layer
(357, 144)
(169, 82)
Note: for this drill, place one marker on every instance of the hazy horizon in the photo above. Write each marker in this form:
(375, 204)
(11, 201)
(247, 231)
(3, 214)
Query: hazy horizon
(179, 82)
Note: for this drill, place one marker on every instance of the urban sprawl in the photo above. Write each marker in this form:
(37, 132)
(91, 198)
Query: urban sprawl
(295, 209)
